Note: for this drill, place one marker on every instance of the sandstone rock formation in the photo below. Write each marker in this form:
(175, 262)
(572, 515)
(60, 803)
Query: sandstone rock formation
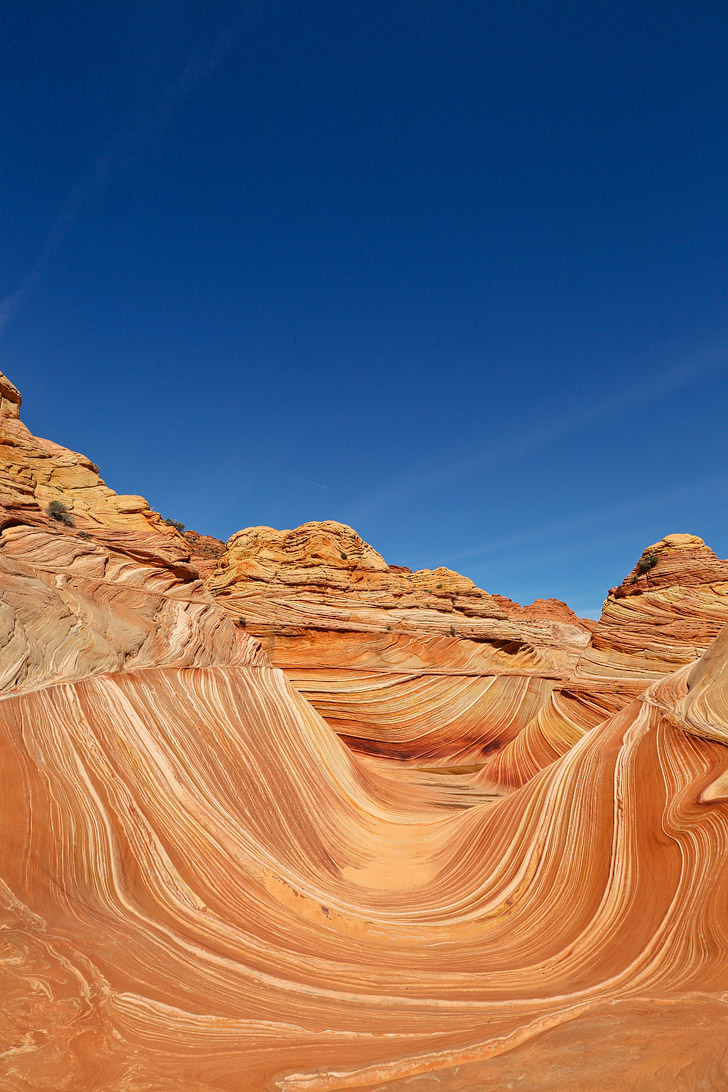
(205, 551)
(422, 665)
(665, 613)
(553, 609)
(38, 470)
(203, 889)
(199, 882)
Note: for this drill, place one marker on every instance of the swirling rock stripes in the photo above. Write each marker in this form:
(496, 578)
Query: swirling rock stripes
(423, 666)
(208, 847)
(203, 888)
(666, 613)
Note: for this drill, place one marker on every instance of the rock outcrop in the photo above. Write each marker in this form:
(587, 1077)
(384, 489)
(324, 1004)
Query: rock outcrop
(665, 613)
(203, 888)
(40, 471)
(422, 665)
(544, 609)
(205, 551)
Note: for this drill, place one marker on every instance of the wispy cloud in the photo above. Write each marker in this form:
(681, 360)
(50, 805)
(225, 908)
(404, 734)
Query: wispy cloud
(120, 153)
(416, 482)
(307, 481)
(578, 525)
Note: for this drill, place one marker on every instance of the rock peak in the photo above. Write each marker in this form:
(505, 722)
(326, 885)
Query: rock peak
(316, 543)
(676, 542)
(677, 559)
(10, 398)
(37, 473)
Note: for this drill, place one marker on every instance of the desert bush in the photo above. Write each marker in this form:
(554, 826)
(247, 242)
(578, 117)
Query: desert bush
(176, 524)
(646, 563)
(84, 534)
(60, 511)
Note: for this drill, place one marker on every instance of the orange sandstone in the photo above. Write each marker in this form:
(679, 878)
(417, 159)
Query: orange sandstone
(422, 665)
(203, 888)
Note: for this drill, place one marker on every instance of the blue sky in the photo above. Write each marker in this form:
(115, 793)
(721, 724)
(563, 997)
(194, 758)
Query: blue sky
(455, 273)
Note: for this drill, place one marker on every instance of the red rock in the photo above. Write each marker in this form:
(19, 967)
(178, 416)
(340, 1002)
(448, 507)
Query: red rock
(202, 888)
(665, 613)
(422, 665)
(205, 551)
(553, 609)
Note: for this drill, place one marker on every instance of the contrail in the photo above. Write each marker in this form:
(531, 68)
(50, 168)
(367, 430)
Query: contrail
(308, 481)
(120, 153)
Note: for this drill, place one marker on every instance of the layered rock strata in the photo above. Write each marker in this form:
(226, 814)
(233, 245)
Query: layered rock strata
(198, 881)
(203, 888)
(205, 551)
(665, 613)
(33, 469)
(422, 665)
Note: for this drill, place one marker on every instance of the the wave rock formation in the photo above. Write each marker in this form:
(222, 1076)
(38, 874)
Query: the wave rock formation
(203, 887)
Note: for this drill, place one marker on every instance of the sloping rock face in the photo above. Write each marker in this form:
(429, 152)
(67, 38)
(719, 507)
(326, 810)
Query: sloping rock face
(665, 613)
(422, 665)
(203, 889)
(541, 609)
(40, 470)
(205, 551)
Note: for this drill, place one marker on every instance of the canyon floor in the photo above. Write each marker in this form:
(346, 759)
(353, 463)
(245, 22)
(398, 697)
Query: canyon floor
(278, 816)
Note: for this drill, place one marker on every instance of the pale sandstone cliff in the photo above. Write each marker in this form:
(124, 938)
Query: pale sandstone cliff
(38, 470)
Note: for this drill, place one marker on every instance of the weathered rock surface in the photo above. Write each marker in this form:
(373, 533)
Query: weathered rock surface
(205, 551)
(422, 665)
(199, 882)
(203, 889)
(665, 613)
(38, 470)
(553, 609)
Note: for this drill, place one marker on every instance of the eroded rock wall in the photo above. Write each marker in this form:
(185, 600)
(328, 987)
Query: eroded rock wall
(422, 665)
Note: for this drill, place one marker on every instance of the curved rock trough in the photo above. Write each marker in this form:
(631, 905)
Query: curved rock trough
(204, 887)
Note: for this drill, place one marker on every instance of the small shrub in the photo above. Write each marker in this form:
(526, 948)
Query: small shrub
(60, 511)
(646, 563)
(84, 534)
(344, 557)
(176, 524)
(634, 579)
(439, 585)
(452, 631)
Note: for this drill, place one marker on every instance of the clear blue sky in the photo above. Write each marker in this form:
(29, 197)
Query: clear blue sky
(452, 272)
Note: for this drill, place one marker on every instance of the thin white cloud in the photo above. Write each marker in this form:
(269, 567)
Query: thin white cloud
(419, 482)
(593, 519)
(308, 481)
